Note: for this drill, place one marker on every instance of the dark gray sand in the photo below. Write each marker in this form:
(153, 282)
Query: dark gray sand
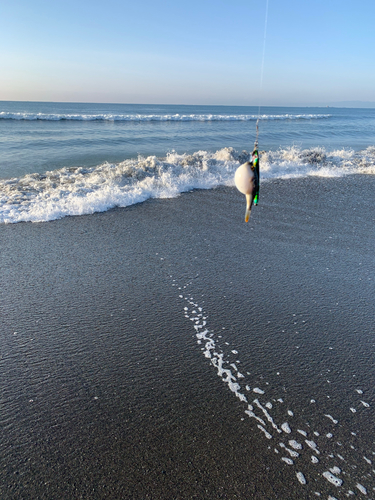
(105, 388)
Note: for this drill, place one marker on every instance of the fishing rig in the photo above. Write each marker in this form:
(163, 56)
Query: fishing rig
(261, 79)
(255, 154)
(247, 175)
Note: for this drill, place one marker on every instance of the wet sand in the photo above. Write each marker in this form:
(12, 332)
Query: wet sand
(106, 391)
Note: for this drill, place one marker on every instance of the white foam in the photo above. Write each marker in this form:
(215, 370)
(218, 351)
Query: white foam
(331, 418)
(267, 415)
(296, 162)
(262, 412)
(361, 488)
(335, 470)
(77, 190)
(295, 444)
(292, 453)
(312, 445)
(154, 118)
(285, 427)
(332, 479)
(258, 391)
(266, 433)
(301, 478)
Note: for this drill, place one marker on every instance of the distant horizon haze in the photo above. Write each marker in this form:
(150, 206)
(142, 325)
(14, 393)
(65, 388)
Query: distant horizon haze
(342, 104)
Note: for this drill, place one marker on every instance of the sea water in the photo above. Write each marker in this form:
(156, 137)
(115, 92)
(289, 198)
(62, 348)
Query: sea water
(59, 159)
(313, 414)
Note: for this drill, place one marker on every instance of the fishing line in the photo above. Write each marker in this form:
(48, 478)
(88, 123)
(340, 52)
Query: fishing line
(261, 76)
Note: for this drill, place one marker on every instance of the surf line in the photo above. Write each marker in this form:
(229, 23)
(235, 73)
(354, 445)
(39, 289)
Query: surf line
(231, 375)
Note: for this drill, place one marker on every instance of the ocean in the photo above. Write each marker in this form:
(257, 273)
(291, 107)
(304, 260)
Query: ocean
(59, 159)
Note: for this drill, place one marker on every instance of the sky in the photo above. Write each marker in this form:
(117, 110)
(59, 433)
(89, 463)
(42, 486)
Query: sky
(188, 51)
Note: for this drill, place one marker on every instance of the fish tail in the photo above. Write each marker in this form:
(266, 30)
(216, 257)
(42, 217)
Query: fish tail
(249, 202)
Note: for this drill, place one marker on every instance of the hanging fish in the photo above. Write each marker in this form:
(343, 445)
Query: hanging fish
(245, 181)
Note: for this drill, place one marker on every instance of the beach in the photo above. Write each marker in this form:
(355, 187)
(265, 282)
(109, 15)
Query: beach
(169, 350)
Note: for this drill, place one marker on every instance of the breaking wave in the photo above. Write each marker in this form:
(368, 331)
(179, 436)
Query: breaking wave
(78, 190)
(154, 117)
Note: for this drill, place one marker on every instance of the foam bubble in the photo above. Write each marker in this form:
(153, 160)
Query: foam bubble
(266, 433)
(301, 478)
(258, 391)
(294, 444)
(331, 418)
(312, 445)
(335, 470)
(332, 479)
(285, 427)
(292, 453)
(361, 488)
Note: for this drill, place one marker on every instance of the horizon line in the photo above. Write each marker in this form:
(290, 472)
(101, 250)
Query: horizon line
(338, 104)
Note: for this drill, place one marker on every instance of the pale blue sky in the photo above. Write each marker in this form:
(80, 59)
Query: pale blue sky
(187, 51)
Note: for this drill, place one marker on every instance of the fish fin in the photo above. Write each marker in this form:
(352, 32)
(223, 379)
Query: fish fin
(247, 215)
